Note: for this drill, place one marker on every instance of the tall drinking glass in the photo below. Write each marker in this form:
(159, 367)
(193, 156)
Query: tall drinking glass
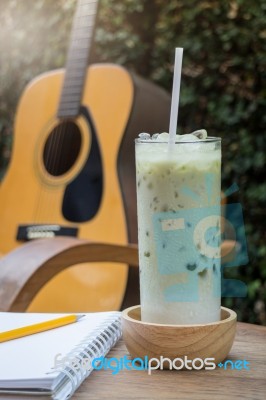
(178, 203)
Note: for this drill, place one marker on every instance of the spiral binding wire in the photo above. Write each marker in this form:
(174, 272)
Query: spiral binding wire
(94, 345)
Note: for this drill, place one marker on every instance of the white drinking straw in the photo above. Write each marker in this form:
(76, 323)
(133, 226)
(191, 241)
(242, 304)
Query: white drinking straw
(175, 95)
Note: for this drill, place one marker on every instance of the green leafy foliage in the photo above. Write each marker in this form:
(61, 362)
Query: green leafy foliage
(223, 85)
(33, 39)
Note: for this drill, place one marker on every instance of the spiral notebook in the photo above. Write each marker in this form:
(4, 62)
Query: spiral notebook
(53, 364)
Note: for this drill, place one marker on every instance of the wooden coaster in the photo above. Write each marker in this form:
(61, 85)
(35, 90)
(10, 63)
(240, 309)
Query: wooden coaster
(212, 340)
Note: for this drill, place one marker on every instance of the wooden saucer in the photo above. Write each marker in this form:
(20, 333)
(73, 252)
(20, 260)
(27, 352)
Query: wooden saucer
(213, 340)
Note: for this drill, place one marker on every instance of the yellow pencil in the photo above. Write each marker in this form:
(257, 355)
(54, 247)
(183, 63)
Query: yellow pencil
(39, 327)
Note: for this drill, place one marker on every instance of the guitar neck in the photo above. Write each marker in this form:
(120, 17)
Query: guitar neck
(77, 58)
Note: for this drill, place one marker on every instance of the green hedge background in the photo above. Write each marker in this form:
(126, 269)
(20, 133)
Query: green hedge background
(223, 86)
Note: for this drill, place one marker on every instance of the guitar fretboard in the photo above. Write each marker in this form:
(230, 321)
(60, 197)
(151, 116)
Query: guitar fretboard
(77, 58)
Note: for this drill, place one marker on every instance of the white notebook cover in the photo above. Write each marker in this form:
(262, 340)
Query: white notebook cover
(27, 364)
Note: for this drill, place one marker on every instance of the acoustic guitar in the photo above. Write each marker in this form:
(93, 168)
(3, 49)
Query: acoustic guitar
(72, 167)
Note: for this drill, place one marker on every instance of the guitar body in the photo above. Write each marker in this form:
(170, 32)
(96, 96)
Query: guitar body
(29, 191)
(115, 107)
(29, 194)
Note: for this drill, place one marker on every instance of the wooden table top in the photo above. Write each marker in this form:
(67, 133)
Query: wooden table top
(218, 384)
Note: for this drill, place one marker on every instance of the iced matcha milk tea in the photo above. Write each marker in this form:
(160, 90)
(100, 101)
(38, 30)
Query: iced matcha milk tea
(178, 202)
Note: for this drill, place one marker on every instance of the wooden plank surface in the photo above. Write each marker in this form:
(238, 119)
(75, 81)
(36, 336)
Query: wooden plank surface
(218, 384)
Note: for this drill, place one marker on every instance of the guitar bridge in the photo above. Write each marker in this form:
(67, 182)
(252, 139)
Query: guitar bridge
(30, 232)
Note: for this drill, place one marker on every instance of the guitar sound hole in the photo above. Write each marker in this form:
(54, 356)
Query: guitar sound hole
(62, 148)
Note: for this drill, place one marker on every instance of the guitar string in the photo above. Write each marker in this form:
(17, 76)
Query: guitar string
(56, 160)
(54, 152)
(46, 202)
(42, 196)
